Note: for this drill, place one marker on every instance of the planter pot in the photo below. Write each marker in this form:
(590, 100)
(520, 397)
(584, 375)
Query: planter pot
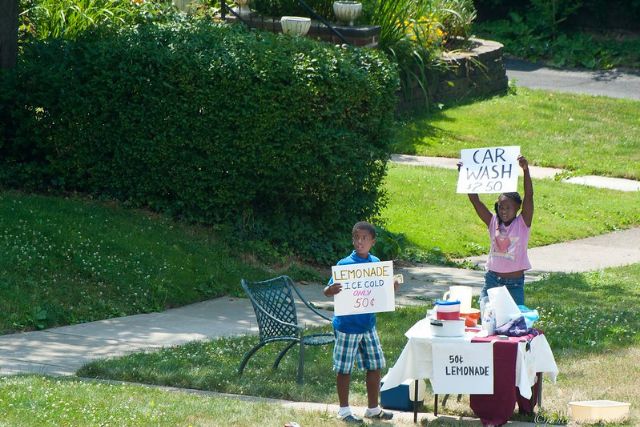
(347, 11)
(243, 7)
(182, 5)
(295, 25)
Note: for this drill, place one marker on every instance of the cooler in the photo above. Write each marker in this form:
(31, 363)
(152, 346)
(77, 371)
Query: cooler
(401, 397)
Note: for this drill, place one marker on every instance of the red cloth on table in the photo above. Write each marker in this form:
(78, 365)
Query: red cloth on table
(497, 408)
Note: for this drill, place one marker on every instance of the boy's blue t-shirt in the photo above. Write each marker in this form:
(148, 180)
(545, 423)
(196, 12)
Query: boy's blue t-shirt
(355, 323)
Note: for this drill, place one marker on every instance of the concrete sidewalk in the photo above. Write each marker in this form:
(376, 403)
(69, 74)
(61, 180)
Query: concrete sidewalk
(578, 256)
(62, 351)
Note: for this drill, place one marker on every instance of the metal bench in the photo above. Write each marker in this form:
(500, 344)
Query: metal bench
(274, 305)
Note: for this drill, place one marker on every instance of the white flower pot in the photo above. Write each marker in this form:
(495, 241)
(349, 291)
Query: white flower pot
(347, 11)
(243, 7)
(295, 25)
(182, 5)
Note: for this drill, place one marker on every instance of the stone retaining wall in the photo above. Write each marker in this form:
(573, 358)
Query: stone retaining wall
(476, 73)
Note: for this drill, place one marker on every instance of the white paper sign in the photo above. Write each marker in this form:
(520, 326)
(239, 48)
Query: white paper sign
(366, 288)
(462, 368)
(489, 170)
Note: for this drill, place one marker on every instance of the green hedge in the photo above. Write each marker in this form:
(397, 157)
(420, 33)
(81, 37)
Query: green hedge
(282, 138)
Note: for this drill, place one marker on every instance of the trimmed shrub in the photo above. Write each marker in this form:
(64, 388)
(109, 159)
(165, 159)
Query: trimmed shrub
(282, 138)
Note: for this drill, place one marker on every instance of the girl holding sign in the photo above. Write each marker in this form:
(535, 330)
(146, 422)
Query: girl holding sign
(509, 235)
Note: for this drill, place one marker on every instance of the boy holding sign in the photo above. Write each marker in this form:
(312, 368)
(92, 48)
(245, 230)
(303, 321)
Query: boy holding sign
(356, 336)
(509, 236)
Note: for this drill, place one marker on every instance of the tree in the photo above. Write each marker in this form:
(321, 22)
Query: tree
(8, 33)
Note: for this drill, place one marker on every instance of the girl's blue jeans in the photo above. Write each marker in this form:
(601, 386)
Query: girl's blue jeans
(514, 286)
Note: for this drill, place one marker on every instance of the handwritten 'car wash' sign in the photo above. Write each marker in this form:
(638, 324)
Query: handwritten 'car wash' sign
(462, 367)
(489, 170)
(366, 288)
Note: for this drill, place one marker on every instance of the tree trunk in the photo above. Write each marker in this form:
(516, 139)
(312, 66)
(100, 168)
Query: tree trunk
(8, 33)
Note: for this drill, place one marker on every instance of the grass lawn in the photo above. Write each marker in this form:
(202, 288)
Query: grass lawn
(585, 134)
(424, 206)
(68, 261)
(589, 319)
(40, 401)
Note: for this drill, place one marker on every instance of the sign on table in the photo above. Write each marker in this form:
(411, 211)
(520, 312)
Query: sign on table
(366, 288)
(462, 368)
(489, 170)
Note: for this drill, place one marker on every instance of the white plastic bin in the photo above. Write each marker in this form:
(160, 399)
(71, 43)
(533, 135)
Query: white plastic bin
(598, 410)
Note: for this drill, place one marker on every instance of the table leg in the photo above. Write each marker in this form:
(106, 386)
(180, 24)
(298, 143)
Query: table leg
(444, 400)
(539, 375)
(415, 402)
(435, 405)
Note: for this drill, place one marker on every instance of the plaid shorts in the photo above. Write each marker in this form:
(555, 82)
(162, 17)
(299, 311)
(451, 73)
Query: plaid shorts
(363, 348)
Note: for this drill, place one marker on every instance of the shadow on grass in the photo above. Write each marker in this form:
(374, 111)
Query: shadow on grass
(415, 127)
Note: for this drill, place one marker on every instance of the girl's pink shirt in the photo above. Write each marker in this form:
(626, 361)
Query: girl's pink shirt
(508, 246)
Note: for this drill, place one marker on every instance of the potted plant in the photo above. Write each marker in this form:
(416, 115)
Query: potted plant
(295, 25)
(243, 7)
(347, 11)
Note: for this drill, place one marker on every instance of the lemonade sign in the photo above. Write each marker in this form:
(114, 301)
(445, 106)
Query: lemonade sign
(489, 170)
(366, 288)
(462, 368)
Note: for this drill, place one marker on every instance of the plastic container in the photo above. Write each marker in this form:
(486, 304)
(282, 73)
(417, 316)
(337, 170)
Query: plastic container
(530, 316)
(471, 316)
(447, 310)
(598, 410)
(447, 328)
(460, 293)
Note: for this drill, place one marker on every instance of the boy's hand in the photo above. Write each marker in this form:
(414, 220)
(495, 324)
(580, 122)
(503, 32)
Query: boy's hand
(331, 290)
(397, 280)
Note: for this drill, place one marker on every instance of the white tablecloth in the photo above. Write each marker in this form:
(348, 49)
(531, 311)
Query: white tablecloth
(416, 361)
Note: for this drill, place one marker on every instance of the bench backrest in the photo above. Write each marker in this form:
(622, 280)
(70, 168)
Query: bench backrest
(273, 297)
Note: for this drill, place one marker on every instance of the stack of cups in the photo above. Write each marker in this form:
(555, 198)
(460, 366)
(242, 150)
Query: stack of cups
(447, 310)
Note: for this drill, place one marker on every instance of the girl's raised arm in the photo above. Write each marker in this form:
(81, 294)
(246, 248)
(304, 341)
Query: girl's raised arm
(527, 202)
